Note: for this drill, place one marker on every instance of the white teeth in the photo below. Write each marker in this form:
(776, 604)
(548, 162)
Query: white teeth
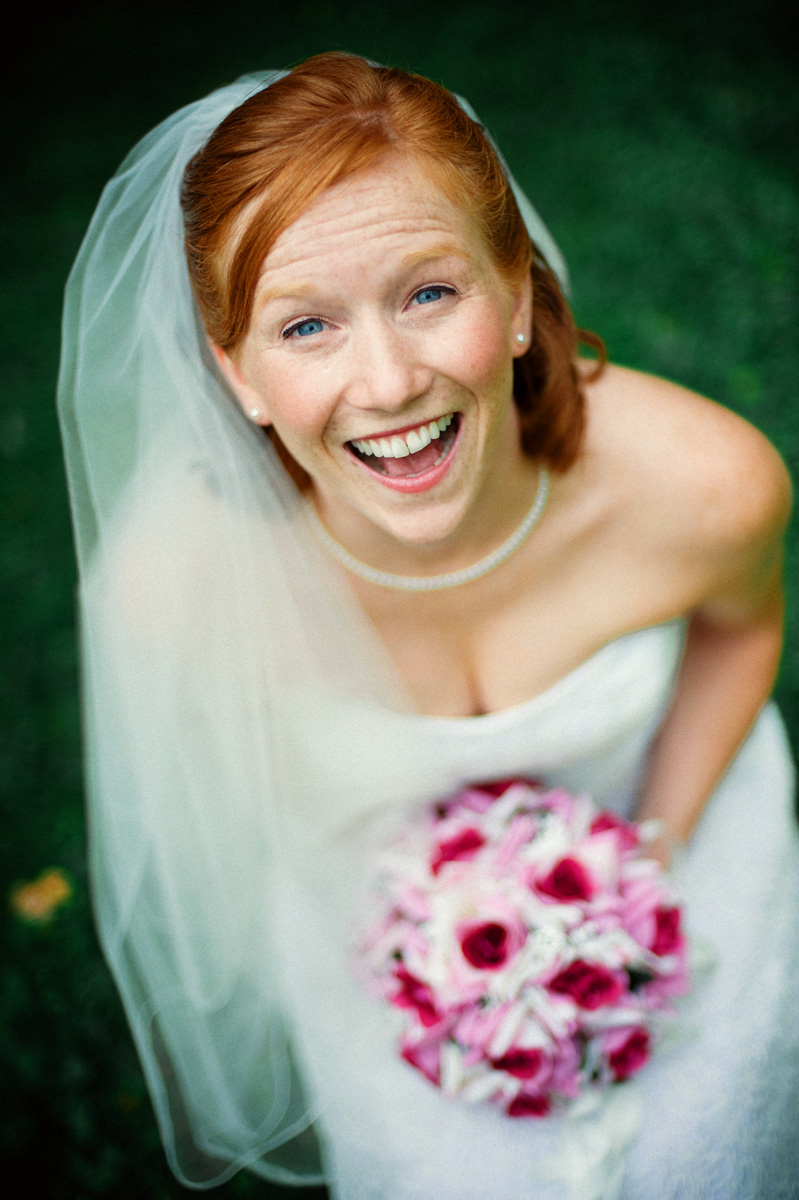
(400, 446)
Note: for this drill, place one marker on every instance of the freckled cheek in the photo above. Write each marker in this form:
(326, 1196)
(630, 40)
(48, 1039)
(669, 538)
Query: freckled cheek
(481, 358)
(297, 406)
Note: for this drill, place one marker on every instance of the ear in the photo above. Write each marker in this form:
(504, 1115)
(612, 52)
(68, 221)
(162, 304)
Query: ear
(522, 316)
(245, 393)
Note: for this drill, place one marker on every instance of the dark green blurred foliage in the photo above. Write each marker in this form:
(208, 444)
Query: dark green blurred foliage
(659, 144)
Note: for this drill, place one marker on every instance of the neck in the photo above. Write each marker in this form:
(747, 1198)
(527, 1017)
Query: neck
(439, 580)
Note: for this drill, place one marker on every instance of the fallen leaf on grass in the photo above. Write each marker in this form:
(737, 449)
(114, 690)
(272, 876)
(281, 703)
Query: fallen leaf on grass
(37, 902)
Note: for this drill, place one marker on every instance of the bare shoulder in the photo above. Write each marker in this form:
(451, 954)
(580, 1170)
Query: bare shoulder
(705, 476)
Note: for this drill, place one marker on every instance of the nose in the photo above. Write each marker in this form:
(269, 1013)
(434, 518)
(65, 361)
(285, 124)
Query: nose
(387, 370)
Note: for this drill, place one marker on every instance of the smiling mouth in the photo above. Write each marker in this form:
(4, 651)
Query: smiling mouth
(404, 455)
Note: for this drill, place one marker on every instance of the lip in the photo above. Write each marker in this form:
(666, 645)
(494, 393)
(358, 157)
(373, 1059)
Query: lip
(416, 483)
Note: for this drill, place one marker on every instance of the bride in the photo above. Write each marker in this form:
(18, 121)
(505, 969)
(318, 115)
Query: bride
(356, 527)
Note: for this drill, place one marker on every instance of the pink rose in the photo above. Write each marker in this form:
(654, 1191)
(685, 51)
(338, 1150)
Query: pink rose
(486, 946)
(412, 903)
(529, 1104)
(463, 845)
(589, 985)
(470, 800)
(520, 832)
(567, 881)
(425, 1057)
(565, 1062)
(627, 1051)
(415, 995)
(653, 923)
(642, 895)
(561, 804)
(476, 1027)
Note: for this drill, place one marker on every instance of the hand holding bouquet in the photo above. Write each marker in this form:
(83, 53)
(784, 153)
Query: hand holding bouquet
(534, 949)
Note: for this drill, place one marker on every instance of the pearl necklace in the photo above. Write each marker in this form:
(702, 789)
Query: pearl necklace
(432, 583)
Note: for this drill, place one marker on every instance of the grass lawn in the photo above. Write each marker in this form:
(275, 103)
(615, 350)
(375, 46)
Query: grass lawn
(661, 151)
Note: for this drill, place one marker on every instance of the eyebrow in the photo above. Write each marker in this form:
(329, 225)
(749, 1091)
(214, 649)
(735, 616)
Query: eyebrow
(441, 250)
(298, 291)
(302, 290)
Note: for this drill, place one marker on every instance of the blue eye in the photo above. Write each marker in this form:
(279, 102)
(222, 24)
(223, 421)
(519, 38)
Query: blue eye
(305, 328)
(429, 295)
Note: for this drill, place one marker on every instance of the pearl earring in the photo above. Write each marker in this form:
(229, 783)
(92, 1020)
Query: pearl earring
(255, 413)
(521, 338)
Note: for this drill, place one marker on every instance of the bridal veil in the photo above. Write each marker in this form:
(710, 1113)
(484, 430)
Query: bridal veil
(209, 620)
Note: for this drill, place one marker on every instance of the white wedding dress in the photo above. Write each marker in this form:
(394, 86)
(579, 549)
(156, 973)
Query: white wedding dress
(714, 1116)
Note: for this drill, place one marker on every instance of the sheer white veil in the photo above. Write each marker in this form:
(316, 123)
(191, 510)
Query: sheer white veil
(212, 629)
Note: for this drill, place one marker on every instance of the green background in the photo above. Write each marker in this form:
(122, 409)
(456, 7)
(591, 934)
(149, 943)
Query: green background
(659, 144)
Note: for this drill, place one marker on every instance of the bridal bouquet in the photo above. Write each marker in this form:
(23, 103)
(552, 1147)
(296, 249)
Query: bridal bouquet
(534, 949)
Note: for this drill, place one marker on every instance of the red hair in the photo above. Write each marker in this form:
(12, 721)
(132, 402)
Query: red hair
(332, 116)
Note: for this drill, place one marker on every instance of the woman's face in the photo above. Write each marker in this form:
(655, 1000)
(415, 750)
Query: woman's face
(380, 349)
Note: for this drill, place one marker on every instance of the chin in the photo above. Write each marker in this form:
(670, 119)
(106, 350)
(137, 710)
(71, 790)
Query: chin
(427, 524)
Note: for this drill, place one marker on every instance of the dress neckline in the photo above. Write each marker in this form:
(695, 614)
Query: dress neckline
(552, 693)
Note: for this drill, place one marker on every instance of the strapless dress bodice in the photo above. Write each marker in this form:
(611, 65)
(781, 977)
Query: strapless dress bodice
(590, 731)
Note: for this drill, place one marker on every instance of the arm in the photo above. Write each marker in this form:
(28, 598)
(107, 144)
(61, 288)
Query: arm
(731, 658)
(726, 676)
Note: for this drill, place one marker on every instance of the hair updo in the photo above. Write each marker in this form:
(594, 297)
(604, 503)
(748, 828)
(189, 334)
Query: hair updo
(334, 115)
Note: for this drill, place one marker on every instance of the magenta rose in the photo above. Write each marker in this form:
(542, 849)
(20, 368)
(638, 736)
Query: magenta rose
(523, 1064)
(626, 832)
(588, 984)
(486, 946)
(415, 995)
(567, 881)
(498, 787)
(668, 936)
(627, 1052)
(529, 1104)
(463, 845)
